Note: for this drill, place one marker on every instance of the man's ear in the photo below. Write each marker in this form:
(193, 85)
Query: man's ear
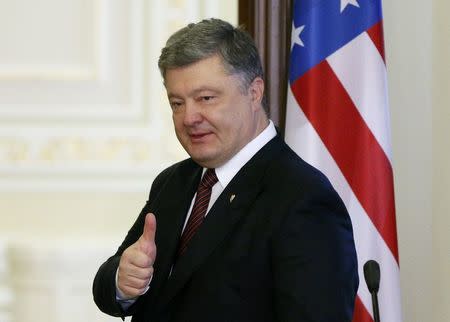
(256, 91)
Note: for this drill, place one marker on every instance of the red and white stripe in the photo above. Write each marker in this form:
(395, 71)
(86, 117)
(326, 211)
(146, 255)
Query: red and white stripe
(349, 141)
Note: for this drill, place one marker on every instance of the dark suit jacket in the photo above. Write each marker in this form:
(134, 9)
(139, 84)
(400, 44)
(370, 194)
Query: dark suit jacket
(281, 250)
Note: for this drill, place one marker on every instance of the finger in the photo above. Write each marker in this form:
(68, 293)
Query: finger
(131, 286)
(149, 228)
(136, 272)
(134, 282)
(131, 292)
(142, 259)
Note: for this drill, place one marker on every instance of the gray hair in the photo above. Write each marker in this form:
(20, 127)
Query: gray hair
(209, 37)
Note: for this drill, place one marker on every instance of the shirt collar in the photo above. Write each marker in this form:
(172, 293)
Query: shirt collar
(228, 170)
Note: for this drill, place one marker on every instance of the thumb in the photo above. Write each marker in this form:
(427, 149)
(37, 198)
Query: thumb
(149, 228)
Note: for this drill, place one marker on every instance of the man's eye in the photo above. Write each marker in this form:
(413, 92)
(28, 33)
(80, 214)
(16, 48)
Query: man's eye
(207, 98)
(175, 105)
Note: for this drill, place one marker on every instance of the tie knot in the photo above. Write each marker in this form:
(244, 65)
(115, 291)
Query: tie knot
(209, 179)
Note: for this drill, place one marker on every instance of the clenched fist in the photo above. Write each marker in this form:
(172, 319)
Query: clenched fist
(136, 262)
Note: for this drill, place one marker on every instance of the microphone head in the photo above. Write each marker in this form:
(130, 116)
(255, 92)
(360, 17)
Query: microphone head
(372, 275)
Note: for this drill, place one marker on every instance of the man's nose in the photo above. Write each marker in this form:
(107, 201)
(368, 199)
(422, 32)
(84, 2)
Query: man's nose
(192, 114)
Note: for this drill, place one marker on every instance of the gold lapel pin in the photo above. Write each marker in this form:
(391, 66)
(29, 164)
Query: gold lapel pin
(232, 198)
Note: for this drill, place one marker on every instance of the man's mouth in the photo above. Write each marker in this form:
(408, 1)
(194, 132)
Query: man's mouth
(199, 137)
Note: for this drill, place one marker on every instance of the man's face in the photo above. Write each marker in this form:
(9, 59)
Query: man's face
(213, 116)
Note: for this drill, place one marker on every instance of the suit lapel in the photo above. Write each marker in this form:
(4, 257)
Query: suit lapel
(171, 213)
(229, 208)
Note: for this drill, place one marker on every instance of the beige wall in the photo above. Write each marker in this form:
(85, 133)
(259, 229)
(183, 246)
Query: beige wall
(408, 30)
(76, 207)
(417, 40)
(441, 161)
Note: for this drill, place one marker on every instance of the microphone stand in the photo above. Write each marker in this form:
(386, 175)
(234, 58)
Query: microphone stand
(375, 307)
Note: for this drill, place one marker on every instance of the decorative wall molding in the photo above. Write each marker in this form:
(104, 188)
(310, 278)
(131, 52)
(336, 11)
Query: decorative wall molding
(6, 294)
(98, 158)
(50, 279)
(100, 119)
(110, 82)
(33, 49)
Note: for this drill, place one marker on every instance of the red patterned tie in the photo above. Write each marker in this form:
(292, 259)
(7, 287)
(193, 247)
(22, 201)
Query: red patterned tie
(199, 209)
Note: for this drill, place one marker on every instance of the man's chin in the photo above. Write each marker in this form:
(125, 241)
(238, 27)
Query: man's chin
(205, 160)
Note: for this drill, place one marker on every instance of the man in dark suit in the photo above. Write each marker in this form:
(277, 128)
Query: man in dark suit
(244, 230)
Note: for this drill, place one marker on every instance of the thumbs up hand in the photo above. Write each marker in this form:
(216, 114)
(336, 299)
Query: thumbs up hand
(136, 263)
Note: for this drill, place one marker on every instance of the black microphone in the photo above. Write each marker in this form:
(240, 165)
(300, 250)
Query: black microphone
(372, 277)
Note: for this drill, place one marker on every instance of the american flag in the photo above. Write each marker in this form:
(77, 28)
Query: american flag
(337, 119)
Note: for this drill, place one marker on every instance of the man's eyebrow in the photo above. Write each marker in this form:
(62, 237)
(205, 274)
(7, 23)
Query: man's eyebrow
(205, 89)
(196, 91)
(172, 95)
